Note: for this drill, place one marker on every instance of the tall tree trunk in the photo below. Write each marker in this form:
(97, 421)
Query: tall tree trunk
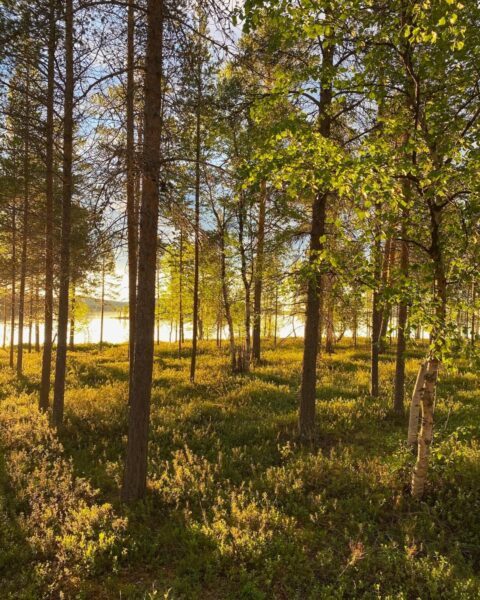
(473, 326)
(48, 316)
(14, 281)
(330, 329)
(376, 320)
(180, 294)
(135, 475)
(132, 224)
(258, 282)
(225, 294)
(102, 304)
(61, 358)
(193, 360)
(37, 324)
(30, 321)
(246, 281)
(73, 302)
(276, 318)
(157, 304)
(5, 317)
(399, 392)
(386, 311)
(306, 419)
(428, 392)
(25, 227)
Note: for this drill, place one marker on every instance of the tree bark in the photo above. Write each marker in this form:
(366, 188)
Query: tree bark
(306, 418)
(399, 392)
(427, 399)
(132, 224)
(14, 281)
(102, 304)
(180, 295)
(193, 360)
(412, 436)
(258, 283)
(246, 281)
(376, 321)
(73, 302)
(61, 358)
(48, 308)
(25, 227)
(135, 475)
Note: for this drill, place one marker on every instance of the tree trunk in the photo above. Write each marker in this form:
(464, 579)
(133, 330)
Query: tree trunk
(399, 392)
(25, 227)
(376, 321)
(73, 302)
(225, 294)
(61, 359)
(180, 295)
(5, 317)
(246, 281)
(132, 224)
(102, 304)
(30, 321)
(412, 436)
(386, 312)
(257, 290)
(433, 364)
(306, 419)
(48, 308)
(330, 333)
(193, 360)
(37, 324)
(135, 475)
(14, 281)
(427, 399)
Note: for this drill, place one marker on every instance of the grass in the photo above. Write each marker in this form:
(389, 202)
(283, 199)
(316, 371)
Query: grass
(236, 507)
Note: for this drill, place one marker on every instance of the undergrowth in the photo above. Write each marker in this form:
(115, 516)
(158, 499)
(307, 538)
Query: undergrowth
(236, 507)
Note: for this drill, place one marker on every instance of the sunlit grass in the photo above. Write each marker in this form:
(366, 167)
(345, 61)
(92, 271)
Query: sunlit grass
(236, 507)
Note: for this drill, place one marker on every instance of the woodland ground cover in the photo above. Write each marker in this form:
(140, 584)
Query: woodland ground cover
(236, 507)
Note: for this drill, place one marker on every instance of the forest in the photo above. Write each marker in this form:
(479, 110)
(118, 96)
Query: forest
(239, 299)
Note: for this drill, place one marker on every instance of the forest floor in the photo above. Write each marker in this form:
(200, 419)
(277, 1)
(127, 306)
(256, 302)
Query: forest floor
(236, 508)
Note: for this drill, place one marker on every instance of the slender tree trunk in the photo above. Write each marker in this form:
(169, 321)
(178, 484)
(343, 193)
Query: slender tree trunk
(258, 283)
(14, 282)
(376, 322)
(275, 319)
(473, 326)
(157, 305)
(132, 223)
(412, 435)
(246, 281)
(225, 294)
(135, 475)
(193, 360)
(25, 227)
(5, 318)
(386, 312)
(180, 295)
(61, 358)
(37, 324)
(73, 302)
(399, 392)
(30, 322)
(48, 316)
(102, 304)
(330, 337)
(428, 391)
(306, 420)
